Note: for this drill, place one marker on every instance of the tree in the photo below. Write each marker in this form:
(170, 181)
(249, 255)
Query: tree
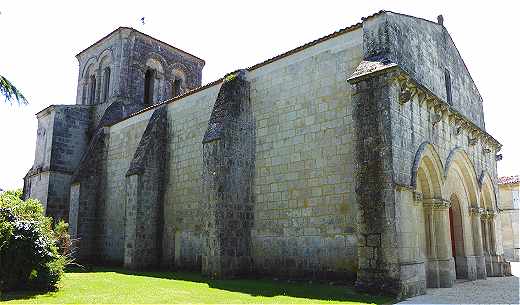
(10, 92)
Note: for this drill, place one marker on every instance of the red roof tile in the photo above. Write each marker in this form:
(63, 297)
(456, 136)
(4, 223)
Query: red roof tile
(509, 179)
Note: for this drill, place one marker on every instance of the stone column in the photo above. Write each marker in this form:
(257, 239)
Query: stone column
(432, 269)
(486, 242)
(444, 256)
(478, 247)
(496, 259)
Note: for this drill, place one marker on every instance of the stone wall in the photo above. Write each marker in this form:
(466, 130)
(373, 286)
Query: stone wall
(305, 206)
(62, 138)
(425, 50)
(305, 210)
(510, 220)
(187, 122)
(87, 217)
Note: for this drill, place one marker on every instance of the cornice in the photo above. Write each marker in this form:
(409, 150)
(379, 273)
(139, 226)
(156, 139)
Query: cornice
(411, 90)
(436, 203)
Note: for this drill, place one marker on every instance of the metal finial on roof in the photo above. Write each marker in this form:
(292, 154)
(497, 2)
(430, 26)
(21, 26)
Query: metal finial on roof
(142, 20)
(440, 20)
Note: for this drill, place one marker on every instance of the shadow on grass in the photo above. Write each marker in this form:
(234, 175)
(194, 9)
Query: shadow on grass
(254, 287)
(22, 294)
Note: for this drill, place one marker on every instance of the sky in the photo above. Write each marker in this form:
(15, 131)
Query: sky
(41, 38)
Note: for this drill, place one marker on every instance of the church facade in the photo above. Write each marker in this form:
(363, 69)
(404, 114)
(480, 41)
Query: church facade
(361, 155)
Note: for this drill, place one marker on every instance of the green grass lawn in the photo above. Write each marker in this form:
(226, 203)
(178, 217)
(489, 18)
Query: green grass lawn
(105, 285)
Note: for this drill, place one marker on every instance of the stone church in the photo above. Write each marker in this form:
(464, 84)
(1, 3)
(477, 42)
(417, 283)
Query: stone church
(362, 155)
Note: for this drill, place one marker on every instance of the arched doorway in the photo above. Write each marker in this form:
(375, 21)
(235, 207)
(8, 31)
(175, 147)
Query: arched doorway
(461, 187)
(490, 236)
(434, 226)
(457, 237)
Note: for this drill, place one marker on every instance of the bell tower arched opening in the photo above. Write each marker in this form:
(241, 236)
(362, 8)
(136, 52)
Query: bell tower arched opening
(149, 79)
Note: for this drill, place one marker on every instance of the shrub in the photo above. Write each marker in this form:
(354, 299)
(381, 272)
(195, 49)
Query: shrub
(29, 256)
(63, 240)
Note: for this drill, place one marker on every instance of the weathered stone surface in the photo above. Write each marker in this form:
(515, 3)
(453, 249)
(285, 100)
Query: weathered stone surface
(359, 155)
(229, 162)
(62, 139)
(379, 260)
(145, 187)
(87, 214)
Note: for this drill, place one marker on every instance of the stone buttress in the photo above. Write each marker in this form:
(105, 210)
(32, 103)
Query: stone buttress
(228, 171)
(145, 187)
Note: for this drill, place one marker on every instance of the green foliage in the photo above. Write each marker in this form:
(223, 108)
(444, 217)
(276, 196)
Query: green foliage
(10, 92)
(29, 256)
(230, 77)
(63, 240)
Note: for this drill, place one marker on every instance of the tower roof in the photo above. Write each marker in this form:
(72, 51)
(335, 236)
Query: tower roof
(143, 34)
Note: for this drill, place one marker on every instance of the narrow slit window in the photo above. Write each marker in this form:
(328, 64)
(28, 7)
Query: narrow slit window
(447, 81)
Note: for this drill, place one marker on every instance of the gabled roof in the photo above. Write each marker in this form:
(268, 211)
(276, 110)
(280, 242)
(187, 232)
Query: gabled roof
(141, 33)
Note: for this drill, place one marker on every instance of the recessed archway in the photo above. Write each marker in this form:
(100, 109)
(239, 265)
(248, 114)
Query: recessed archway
(457, 235)
(428, 180)
(490, 236)
(461, 188)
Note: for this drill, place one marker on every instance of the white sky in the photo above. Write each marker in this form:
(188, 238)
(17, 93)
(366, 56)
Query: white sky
(40, 39)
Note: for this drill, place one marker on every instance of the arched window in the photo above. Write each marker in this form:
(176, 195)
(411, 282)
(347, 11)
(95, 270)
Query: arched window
(92, 89)
(176, 89)
(106, 84)
(149, 86)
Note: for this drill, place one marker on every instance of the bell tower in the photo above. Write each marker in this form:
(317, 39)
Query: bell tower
(120, 74)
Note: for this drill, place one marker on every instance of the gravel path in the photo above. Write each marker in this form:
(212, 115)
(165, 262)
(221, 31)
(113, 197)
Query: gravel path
(493, 290)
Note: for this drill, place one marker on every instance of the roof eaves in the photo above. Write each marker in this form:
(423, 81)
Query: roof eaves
(316, 41)
(261, 64)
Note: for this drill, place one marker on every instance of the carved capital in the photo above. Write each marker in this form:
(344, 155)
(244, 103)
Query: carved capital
(417, 196)
(436, 118)
(458, 130)
(408, 91)
(487, 214)
(476, 210)
(437, 203)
